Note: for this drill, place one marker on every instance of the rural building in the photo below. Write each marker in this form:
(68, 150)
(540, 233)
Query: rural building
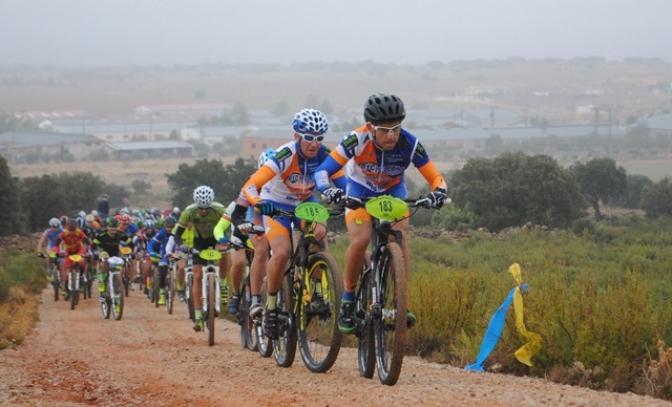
(16, 144)
(169, 147)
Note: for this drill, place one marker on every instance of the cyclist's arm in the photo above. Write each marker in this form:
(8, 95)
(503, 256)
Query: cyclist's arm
(221, 226)
(330, 169)
(252, 187)
(153, 243)
(433, 176)
(181, 226)
(43, 238)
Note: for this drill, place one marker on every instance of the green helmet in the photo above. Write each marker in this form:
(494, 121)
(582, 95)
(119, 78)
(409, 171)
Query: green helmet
(160, 223)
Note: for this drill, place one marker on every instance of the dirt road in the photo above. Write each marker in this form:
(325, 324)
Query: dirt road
(76, 358)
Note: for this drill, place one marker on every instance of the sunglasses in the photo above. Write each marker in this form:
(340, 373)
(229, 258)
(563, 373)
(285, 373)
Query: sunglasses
(387, 130)
(311, 137)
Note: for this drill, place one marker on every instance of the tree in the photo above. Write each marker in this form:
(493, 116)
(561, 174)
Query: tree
(225, 181)
(42, 198)
(657, 199)
(636, 185)
(140, 186)
(82, 190)
(600, 180)
(117, 195)
(514, 189)
(11, 219)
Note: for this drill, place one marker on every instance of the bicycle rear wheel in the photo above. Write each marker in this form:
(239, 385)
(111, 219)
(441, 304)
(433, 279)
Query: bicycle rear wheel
(390, 324)
(247, 337)
(126, 280)
(284, 348)
(316, 313)
(264, 343)
(366, 345)
(117, 296)
(56, 282)
(212, 295)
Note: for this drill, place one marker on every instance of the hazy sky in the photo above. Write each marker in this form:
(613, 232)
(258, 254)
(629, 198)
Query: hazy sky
(143, 32)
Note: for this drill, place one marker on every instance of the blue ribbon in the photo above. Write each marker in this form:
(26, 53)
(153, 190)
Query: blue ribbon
(493, 333)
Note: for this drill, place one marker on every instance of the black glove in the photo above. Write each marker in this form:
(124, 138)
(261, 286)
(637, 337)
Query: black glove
(264, 208)
(437, 198)
(333, 195)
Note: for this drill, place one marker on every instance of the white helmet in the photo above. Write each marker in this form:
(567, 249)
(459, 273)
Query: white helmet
(176, 210)
(203, 196)
(81, 214)
(54, 222)
(94, 213)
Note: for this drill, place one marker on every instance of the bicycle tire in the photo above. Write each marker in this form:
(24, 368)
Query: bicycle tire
(155, 287)
(117, 297)
(247, 338)
(125, 278)
(284, 348)
(319, 338)
(190, 295)
(264, 343)
(210, 322)
(366, 345)
(105, 302)
(170, 292)
(390, 326)
(55, 281)
(74, 292)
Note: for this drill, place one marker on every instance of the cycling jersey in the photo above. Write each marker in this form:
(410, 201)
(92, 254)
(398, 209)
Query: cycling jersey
(72, 240)
(287, 177)
(52, 234)
(203, 225)
(109, 241)
(161, 239)
(376, 170)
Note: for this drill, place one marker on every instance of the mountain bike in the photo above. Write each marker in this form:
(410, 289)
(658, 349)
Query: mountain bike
(113, 297)
(381, 296)
(210, 284)
(87, 277)
(309, 299)
(74, 278)
(248, 334)
(127, 255)
(54, 271)
(188, 284)
(171, 280)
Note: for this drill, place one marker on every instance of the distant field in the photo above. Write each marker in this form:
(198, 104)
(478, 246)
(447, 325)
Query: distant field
(654, 169)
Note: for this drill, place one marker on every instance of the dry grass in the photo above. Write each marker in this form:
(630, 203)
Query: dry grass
(18, 316)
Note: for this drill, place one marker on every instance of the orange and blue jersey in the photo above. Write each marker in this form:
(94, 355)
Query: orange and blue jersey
(51, 234)
(372, 171)
(287, 178)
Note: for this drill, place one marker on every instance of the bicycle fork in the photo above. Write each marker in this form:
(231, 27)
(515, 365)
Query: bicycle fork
(204, 283)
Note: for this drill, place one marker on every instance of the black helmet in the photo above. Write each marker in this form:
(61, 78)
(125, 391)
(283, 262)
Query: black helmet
(113, 222)
(170, 221)
(382, 108)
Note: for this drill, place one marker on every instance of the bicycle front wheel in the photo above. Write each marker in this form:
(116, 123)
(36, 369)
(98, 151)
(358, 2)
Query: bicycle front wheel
(155, 287)
(390, 321)
(170, 291)
(117, 296)
(212, 294)
(285, 346)
(316, 313)
(190, 296)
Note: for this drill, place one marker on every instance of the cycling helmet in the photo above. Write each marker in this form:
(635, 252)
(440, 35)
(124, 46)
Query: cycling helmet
(176, 210)
(125, 219)
(382, 108)
(159, 223)
(89, 218)
(81, 214)
(112, 222)
(170, 221)
(54, 222)
(149, 224)
(203, 196)
(94, 213)
(310, 121)
(71, 223)
(265, 156)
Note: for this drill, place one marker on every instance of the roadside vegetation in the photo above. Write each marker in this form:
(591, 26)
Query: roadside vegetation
(22, 277)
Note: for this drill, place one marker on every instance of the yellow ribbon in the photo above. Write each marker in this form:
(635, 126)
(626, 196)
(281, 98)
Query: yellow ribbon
(533, 345)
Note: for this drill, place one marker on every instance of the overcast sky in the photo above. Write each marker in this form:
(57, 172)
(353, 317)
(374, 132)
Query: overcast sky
(144, 32)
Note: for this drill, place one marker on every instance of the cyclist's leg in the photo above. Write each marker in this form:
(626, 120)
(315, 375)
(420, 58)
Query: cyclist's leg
(358, 224)
(258, 272)
(279, 237)
(163, 271)
(223, 283)
(179, 284)
(238, 259)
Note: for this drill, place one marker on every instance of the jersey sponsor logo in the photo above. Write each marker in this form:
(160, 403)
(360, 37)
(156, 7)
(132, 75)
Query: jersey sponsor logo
(420, 151)
(350, 141)
(283, 154)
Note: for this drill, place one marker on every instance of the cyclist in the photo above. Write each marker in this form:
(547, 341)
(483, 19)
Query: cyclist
(158, 244)
(75, 241)
(110, 241)
(152, 229)
(204, 213)
(188, 240)
(377, 155)
(286, 180)
(49, 236)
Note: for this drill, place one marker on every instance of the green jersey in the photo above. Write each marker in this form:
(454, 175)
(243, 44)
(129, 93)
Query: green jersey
(204, 226)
